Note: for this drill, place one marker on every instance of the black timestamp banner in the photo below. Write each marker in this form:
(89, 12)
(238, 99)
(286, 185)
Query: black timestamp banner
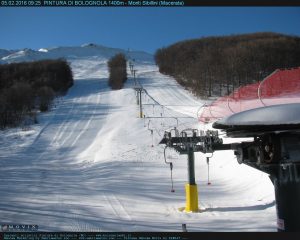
(144, 3)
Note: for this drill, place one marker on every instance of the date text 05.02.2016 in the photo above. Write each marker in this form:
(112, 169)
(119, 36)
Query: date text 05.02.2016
(20, 3)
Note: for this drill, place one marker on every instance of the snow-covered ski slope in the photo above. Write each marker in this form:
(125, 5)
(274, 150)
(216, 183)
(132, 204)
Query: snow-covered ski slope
(89, 164)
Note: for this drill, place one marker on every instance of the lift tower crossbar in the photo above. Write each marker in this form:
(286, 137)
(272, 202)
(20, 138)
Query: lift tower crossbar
(188, 142)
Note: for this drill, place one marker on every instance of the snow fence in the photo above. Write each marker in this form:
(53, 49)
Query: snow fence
(282, 86)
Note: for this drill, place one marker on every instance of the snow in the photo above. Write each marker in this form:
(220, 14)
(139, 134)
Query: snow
(43, 50)
(89, 164)
(270, 115)
(4, 52)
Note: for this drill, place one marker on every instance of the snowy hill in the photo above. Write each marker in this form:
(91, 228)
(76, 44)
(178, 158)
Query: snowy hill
(23, 55)
(89, 164)
(4, 53)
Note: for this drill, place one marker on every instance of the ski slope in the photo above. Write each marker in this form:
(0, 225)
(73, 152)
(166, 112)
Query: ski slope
(89, 164)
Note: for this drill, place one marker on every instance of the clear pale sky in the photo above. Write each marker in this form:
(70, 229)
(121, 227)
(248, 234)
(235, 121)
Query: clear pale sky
(136, 28)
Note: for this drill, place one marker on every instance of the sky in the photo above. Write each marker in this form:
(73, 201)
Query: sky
(137, 28)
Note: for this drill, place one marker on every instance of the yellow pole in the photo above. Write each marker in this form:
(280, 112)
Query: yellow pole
(191, 192)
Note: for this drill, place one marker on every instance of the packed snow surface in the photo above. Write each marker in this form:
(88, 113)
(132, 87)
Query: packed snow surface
(89, 164)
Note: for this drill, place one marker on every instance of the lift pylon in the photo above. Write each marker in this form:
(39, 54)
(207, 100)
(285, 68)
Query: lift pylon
(187, 142)
(139, 91)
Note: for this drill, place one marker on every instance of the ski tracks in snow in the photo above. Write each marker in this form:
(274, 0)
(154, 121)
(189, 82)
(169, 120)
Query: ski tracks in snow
(117, 207)
(120, 212)
(86, 126)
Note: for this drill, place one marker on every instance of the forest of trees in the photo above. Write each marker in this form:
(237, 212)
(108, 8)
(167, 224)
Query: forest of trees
(27, 86)
(215, 66)
(117, 66)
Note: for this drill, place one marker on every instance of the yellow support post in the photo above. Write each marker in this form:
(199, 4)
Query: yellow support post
(191, 192)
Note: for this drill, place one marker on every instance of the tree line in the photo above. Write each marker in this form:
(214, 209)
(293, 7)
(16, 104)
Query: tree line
(117, 67)
(216, 66)
(28, 86)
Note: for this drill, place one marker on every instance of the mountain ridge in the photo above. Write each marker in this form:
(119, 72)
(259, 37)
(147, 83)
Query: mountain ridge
(70, 52)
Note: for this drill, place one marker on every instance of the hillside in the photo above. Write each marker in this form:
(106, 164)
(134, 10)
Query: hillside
(215, 66)
(89, 164)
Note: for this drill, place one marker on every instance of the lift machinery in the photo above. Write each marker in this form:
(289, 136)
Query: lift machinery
(274, 148)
